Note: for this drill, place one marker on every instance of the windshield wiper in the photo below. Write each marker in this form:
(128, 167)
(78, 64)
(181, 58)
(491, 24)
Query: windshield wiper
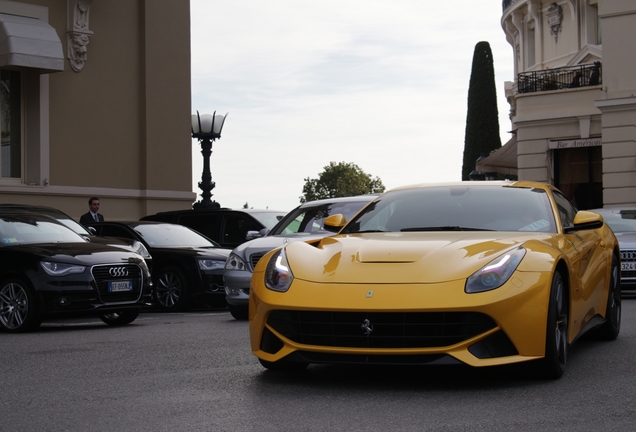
(443, 228)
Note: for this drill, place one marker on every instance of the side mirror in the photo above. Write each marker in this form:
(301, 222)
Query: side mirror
(334, 223)
(251, 235)
(585, 220)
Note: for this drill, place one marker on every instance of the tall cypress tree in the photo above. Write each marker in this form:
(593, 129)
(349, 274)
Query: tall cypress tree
(482, 120)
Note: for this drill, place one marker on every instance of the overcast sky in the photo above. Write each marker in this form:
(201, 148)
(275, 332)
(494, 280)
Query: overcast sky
(380, 84)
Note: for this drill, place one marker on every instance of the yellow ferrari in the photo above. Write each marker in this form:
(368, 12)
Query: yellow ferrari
(479, 273)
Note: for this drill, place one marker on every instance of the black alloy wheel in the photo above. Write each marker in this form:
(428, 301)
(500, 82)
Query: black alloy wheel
(170, 290)
(119, 318)
(553, 364)
(17, 306)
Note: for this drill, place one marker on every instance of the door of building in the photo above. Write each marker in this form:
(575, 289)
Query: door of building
(578, 173)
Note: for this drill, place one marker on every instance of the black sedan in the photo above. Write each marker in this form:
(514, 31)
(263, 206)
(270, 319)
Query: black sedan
(47, 270)
(187, 267)
(71, 223)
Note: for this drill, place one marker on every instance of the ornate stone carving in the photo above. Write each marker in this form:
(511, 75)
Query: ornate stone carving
(555, 18)
(78, 34)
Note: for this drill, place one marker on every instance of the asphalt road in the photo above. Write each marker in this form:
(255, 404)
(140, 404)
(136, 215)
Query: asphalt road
(195, 372)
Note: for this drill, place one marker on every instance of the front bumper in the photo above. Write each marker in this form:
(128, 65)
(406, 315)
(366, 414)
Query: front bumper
(89, 292)
(237, 287)
(407, 322)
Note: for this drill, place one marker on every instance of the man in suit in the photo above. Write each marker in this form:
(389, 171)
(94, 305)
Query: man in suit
(92, 215)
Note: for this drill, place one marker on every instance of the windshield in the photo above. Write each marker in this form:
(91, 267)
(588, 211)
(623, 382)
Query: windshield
(26, 229)
(268, 219)
(457, 208)
(310, 219)
(70, 223)
(58, 215)
(170, 235)
(623, 222)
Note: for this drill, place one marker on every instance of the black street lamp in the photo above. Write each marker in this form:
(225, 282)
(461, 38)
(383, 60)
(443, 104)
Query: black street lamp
(206, 128)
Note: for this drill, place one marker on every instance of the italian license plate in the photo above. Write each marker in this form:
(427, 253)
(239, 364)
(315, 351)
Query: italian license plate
(628, 266)
(119, 286)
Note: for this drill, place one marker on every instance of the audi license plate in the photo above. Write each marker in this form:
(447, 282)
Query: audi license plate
(628, 266)
(118, 286)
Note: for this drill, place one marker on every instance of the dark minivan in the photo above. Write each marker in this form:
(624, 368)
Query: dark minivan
(229, 228)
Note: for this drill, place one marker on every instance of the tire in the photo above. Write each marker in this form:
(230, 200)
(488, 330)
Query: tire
(610, 329)
(120, 318)
(553, 364)
(239, 313)
(216, 302)
(283, 366)
(171, 292)
(17, 306)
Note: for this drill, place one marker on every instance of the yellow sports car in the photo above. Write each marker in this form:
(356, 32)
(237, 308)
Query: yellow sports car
(480, 273)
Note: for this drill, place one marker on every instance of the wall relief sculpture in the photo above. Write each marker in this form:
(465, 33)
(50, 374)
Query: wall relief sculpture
(78, 34)
(555, 18)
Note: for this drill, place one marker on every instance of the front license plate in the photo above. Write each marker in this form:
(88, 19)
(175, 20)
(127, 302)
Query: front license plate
(628, 266)
(118, 286)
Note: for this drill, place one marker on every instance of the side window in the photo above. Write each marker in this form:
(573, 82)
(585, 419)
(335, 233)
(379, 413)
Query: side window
(566, 210)
(205, 223)
(294, 226)
(115, 231)
(236, 227)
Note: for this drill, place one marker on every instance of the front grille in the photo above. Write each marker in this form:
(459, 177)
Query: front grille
(102, 275)
(379, 329)
(406, 360)
(628, 256)
(255, 258)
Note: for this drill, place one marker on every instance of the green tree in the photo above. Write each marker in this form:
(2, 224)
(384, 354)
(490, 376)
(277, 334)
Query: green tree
(482, 120)
(340, 180)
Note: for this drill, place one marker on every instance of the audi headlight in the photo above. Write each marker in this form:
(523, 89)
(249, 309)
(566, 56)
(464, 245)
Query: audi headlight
(61, 269)
(144, 267)
(278, 275)
(141, 249)
(210, 264)
(234, 262)
(495, 273)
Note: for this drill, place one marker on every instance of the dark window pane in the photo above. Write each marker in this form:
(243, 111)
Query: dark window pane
(11, 146)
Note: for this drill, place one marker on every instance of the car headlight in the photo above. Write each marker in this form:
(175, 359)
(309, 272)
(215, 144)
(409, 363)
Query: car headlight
(278, 275)
(141, 249)
(61, 269)
(210, 264)
(495, 273)
(234, 262)
(144, 268)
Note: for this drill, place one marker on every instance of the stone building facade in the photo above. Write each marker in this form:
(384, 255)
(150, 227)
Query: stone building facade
(573, 103)
(96, 101)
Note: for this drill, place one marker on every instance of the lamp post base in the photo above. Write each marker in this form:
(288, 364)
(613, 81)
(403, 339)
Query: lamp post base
(206, 205)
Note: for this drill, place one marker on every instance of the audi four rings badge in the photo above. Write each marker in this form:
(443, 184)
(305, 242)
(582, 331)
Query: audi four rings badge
(628, 255)
(118, 271)
(367, 327)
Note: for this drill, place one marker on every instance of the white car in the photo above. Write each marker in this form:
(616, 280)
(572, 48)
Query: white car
(305, 222)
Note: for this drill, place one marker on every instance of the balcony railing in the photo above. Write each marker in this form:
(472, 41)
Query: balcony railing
(561, 78)
(507, 3)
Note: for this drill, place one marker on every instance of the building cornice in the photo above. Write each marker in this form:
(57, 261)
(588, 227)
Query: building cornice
(622, 104)
(78, 191)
